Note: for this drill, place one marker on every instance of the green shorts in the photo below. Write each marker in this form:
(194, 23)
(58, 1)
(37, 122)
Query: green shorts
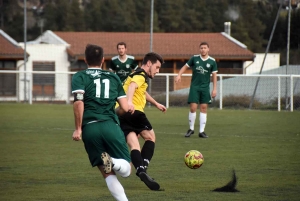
(104, 136)
(199, 95)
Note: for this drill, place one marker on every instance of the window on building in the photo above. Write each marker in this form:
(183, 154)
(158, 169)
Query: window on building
(107, 65)
(230, 64)
(180, 64)
(8, 84)
(43, 84)
(168, 64)
(78, 65)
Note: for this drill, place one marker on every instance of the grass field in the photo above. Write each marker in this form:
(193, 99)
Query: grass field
(39, 160)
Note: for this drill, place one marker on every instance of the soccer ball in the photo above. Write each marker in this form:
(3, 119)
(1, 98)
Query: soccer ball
(193, 159)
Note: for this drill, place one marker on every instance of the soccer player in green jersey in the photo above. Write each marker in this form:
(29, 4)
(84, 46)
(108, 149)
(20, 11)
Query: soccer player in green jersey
(135, 123)
(123, 64)
(203, 66)
(95, 94)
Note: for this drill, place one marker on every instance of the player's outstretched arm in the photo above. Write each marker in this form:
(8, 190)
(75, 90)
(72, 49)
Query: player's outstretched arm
(158, 105)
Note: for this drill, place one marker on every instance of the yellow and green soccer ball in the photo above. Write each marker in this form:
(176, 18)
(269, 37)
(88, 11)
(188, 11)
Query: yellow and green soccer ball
(193, 159)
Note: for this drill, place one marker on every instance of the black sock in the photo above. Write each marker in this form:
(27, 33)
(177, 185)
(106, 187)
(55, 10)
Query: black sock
(147, 152)
(137, 160)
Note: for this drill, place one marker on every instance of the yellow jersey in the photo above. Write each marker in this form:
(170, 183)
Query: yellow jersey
(139, 96)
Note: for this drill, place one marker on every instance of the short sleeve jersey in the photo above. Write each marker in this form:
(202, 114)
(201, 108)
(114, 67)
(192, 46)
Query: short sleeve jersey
(202, 69)
(123, 69)
(139, 97)
(101, 90)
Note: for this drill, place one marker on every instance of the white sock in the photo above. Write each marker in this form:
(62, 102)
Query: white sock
(192, 119)
(122, 167)
(115, 188)
(203, 117)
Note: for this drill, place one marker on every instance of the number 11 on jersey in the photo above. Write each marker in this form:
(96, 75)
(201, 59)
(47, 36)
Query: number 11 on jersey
(98, 87)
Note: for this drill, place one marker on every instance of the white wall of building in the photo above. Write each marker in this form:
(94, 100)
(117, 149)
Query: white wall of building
(272, 61)
(47, 53)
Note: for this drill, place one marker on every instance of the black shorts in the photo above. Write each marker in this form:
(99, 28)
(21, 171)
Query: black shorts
(136, 122)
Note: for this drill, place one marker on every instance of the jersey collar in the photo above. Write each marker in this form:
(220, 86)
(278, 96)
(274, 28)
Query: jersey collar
(124, 59)
(95, 68)
(202, 58)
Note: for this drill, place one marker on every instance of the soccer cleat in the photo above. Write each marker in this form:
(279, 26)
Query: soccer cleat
(189, 133)
(107, 162)
(153, 185)
(203, 135)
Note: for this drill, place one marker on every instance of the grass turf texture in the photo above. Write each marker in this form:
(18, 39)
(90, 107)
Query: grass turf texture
(39, 160)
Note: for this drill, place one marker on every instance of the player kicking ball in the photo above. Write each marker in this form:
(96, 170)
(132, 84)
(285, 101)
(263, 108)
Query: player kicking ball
(135, 123)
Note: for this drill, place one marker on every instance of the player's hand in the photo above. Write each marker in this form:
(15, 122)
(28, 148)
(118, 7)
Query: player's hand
(130, 107)
(161, 107)
(177, 79)
(214, 93)
(77, 135)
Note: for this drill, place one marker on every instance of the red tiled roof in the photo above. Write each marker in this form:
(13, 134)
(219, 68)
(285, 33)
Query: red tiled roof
(169, 45)
(9, 51)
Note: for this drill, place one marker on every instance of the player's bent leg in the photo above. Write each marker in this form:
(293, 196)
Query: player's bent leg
(107, 162)
(121, 167)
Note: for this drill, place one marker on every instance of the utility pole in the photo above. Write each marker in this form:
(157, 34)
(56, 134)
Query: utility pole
(151, 43)
(287, 105)
(25, 55)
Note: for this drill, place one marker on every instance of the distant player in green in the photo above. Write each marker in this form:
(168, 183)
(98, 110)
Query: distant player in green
(123, 64)
(203, 66)
(95, 94)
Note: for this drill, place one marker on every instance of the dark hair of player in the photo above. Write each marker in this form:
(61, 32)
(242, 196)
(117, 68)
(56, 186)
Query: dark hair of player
(153, 57)
(121, 43)
(204, 43)
(93, 55)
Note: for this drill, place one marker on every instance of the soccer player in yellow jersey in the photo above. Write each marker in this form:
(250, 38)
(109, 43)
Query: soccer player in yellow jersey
(135, 122)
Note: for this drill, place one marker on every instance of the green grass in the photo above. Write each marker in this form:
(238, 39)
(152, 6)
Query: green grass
(39, 160)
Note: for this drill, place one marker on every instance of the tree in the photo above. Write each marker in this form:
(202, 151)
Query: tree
(295, 30)
(193, 16)
(13, 19)
(248, 28)
(169, 15)
(92, 17)
(74, 17)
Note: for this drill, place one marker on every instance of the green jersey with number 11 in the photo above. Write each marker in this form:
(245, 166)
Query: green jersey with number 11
(101, 90)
